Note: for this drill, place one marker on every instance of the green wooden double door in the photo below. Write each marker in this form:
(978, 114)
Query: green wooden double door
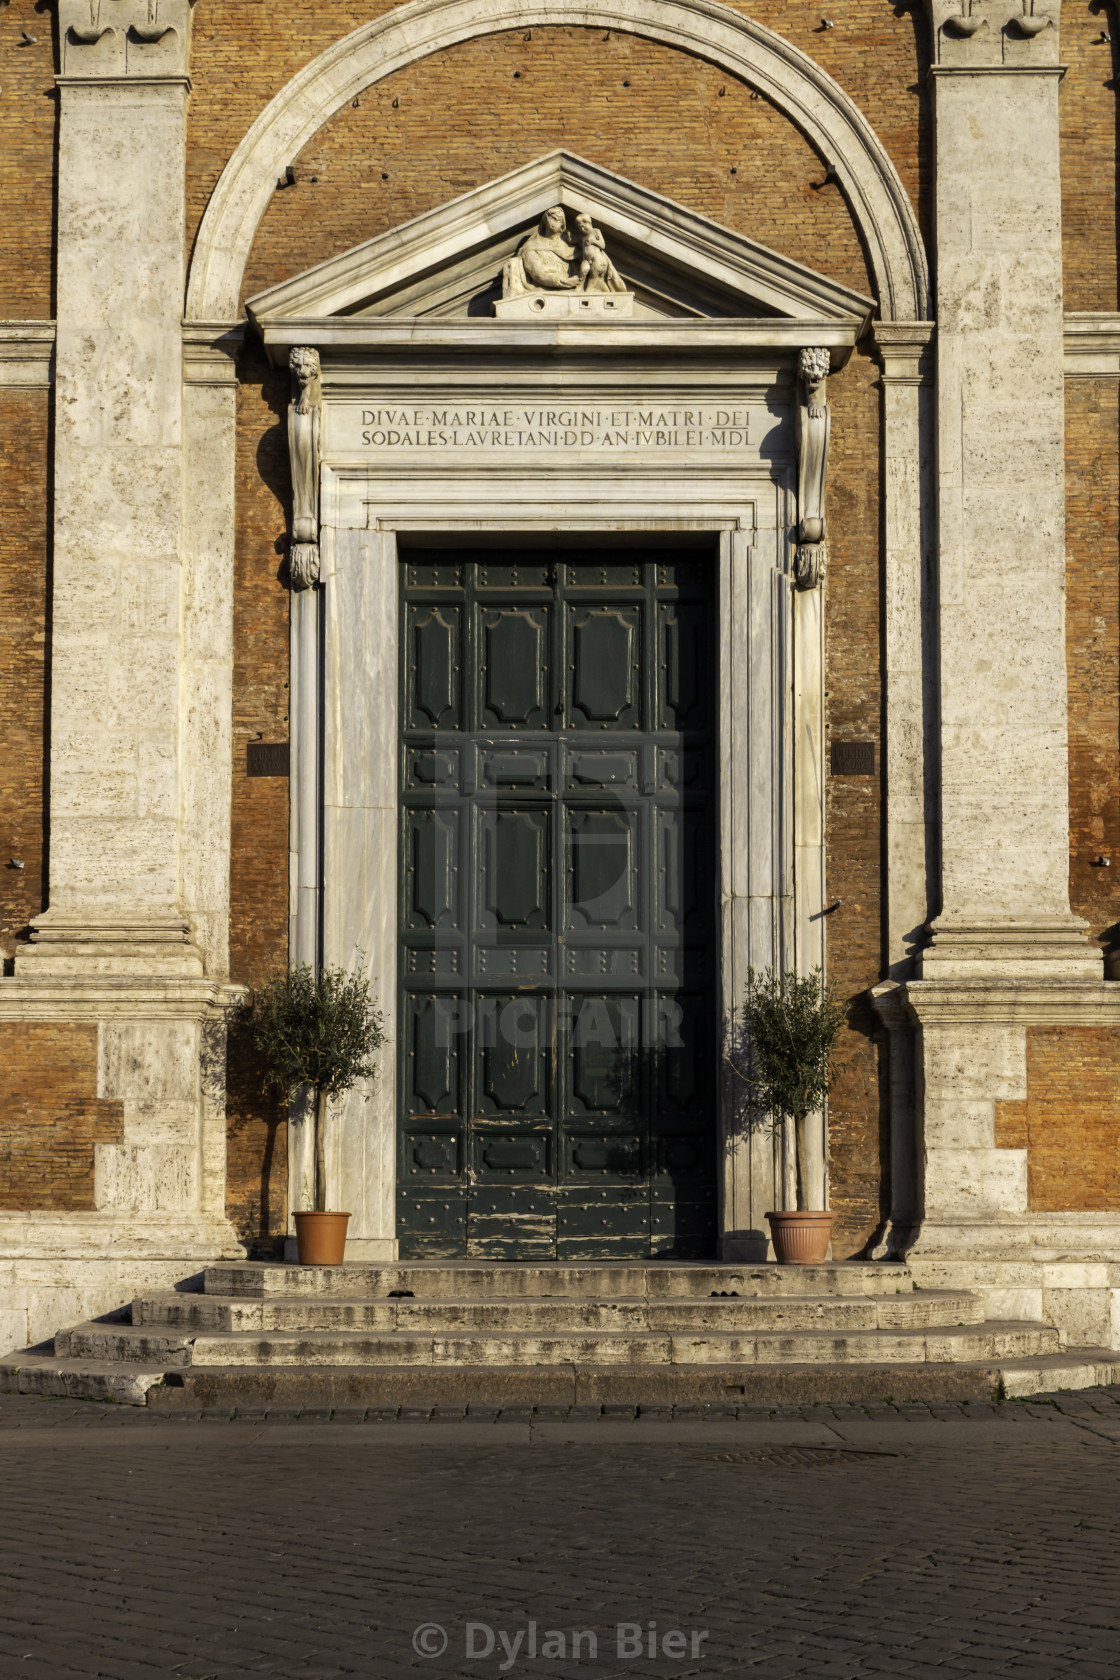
(558, 904)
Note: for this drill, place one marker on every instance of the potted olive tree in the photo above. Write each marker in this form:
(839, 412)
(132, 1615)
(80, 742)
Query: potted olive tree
(318, 1033)
(784, 1058)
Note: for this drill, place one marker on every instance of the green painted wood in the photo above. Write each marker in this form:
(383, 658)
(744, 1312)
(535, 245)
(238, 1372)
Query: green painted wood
(558, 905)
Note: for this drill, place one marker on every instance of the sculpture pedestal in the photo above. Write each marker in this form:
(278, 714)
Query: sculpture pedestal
(565, 306)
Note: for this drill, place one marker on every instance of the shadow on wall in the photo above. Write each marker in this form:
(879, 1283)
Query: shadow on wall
(256, 1150)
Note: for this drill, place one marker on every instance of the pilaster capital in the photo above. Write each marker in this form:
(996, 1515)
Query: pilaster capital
(104, 40)
(904, 351)
(994, 34)
(210, 352)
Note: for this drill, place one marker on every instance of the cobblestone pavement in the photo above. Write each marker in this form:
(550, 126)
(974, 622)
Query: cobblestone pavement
(902, 1541)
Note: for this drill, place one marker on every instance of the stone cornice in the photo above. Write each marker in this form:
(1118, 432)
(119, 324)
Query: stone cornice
(52, 1236)
(360, 334)
(58, 997)
(1036, 1003)
(210, 352)
(1092, 345)
(26, 355)
(130, 84)
(957, 70)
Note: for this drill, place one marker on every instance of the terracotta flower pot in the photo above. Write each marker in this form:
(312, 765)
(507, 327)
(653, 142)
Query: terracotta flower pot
(321, 1238)
(800, 1239)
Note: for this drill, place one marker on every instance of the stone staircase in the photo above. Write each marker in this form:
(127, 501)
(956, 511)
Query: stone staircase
(652, 1333)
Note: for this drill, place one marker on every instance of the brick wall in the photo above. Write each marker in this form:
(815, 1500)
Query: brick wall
(1093, 649)
(1087, 106)
(1069, 1123)
(387, 160)
(246, 50)
(50, 1116)
(256, 1185)
(860, 1192)
(28, 112)
(24, 439)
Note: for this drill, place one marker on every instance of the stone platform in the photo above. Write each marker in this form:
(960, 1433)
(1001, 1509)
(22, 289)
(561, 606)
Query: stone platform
(636, 1333)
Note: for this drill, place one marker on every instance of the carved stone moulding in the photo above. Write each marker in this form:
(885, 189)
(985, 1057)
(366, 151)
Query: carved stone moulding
(110, 38)
(566, 306)
(994, 33)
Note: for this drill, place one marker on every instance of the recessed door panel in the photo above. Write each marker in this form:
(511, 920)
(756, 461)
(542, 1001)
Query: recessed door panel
(432, 869)
(514, 667)
(514, 847)
(434, 665)
(604, 649)
(558, 905)
(602, 888)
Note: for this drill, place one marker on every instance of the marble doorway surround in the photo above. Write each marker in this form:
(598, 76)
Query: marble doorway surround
(431, 416)
(345, 736)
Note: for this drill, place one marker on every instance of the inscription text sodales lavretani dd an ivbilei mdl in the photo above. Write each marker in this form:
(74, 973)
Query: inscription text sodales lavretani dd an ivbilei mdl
(485, 427)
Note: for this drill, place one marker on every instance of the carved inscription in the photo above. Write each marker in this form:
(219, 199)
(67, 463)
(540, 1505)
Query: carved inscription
(484, 427)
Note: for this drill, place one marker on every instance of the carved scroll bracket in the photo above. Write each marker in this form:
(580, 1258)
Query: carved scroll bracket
(304, 418)
(814, 422)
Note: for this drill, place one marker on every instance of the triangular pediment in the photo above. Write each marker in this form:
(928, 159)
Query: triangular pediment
(446, 264)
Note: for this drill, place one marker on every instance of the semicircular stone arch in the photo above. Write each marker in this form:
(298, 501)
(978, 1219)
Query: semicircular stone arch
(787, 77)
(672, 123)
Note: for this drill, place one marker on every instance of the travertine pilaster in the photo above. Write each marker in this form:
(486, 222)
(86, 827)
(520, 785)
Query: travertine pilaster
(206, 677)
(1004, 795)
(1006, 950)
(115, 902)
(141, 659)
(910, 723)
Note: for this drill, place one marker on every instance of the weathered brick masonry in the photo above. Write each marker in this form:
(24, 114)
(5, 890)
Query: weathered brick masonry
(257, 1159)
(51, 1118)
(28, 120)
(24, 514)
(879, 57)
(1069, 1123)
(1093, 650)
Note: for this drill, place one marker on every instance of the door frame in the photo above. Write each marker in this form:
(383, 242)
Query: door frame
(344, 769)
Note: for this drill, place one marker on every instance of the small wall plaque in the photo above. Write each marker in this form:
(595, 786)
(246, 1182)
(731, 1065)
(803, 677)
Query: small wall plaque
(853, 758)
(267, 758)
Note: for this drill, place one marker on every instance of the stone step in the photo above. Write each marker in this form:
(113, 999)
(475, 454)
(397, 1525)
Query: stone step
(438, 1280)
(173, 1310)
(575, 1385)
(105, 1343)
(127, 1383)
